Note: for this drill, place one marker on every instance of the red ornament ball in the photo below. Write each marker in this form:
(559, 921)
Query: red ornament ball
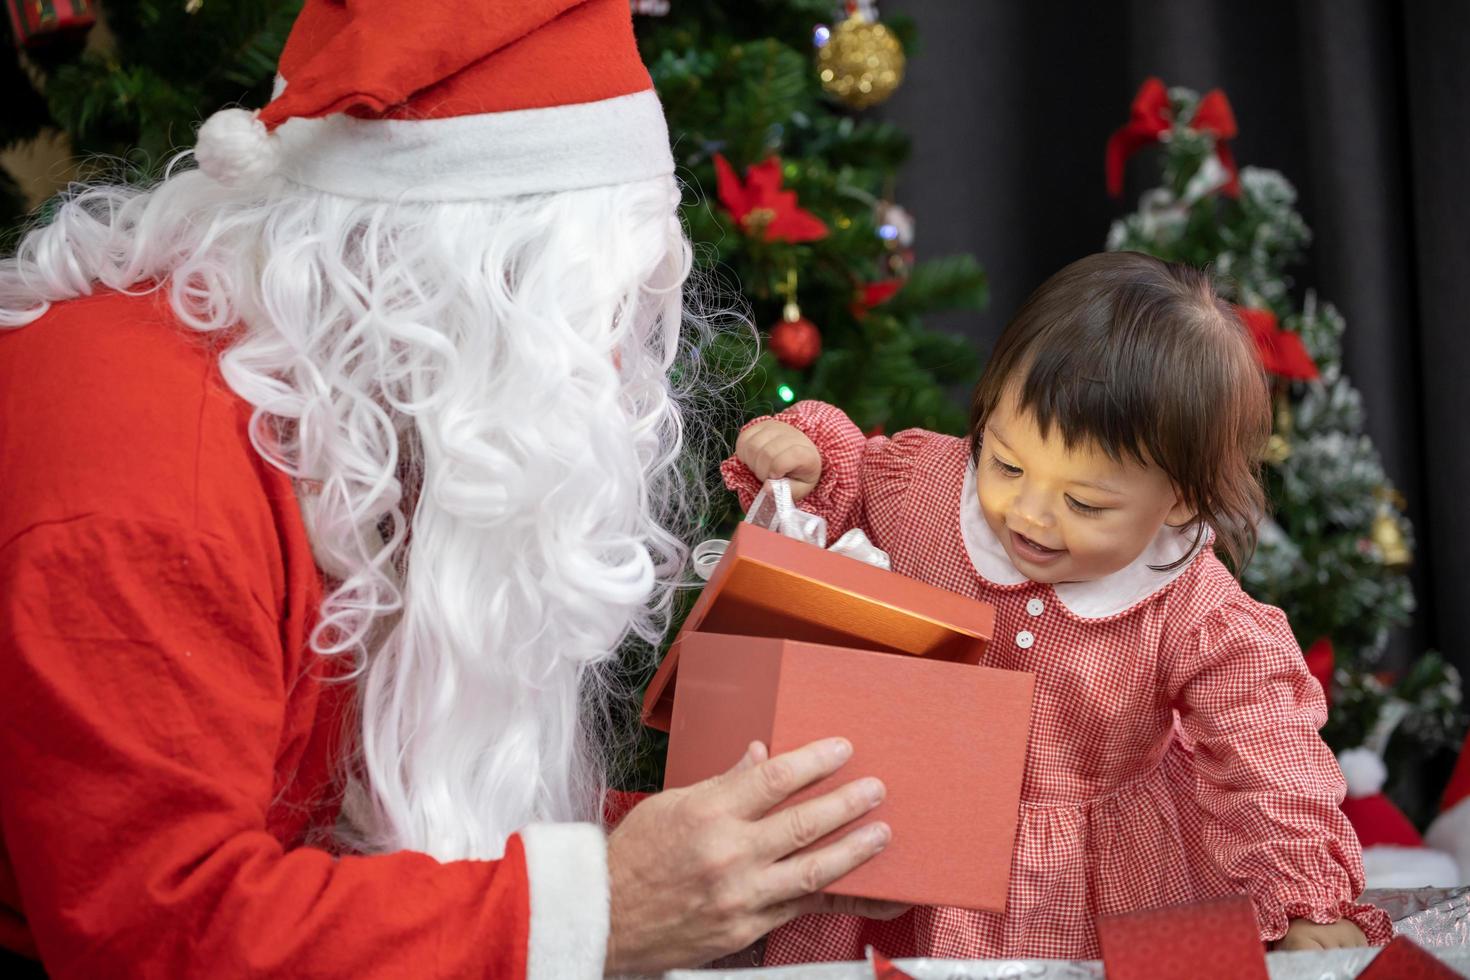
(796, 343)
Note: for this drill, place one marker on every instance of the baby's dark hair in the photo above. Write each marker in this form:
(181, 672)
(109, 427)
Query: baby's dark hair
(1140, 358)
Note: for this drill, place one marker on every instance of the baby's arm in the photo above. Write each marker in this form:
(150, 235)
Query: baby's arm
(1269, 787)
(817, 447)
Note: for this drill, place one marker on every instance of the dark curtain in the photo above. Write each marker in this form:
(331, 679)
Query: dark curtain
(1363, 104)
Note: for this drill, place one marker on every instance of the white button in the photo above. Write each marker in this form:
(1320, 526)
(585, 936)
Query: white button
(1024, 640)
(1035, 607)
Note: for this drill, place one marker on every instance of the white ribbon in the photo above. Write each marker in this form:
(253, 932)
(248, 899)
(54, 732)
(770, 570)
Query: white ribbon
(774, 510)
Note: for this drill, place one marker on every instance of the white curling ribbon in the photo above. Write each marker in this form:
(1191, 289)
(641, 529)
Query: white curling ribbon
(774, 510)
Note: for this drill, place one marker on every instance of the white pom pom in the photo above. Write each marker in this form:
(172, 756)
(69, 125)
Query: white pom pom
(1364, 771)
(234, 148)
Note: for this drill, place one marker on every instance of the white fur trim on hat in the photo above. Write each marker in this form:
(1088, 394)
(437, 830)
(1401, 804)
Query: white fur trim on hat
(234, 148)
(478, 157)
(1364, 771)
(1450, 832)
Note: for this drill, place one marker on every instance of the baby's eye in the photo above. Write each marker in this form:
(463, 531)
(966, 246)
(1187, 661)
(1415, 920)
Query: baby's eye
(1085, 509)
(1005, 468)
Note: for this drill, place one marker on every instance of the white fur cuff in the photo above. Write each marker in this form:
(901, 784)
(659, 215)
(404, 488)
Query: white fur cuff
(567, 867)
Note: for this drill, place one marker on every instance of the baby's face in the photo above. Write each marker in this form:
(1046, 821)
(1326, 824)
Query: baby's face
(1067, 515)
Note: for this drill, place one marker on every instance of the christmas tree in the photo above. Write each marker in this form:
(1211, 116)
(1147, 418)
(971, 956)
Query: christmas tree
(137, 91)
(788, 187)
(789, 194)
(1335, 550)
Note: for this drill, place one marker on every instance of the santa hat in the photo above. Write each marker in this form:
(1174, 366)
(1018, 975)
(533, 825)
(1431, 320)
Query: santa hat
(1450, 831)
(431, 101)
(1394, 855)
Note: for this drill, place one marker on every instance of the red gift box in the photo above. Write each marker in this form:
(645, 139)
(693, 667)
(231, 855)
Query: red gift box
(1211, 940)
(790, 643)
(1404, 959)
(34, 20)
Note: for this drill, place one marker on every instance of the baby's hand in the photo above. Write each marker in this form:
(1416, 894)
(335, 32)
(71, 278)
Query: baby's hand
(1306, 934)
(774, 450)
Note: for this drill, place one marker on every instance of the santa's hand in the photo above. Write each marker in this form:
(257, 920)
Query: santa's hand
(1306, 934)
(700, 872)
(776, 451)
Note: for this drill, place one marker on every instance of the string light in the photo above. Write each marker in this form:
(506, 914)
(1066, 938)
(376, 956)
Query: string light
(787, 395)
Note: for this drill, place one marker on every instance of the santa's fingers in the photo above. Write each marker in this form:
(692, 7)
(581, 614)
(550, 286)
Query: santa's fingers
(787, 882)
(788, 831)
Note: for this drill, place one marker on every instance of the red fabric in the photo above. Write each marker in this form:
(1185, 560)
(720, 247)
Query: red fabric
(761, 208)
(435, 60)
(1214, 940)
(1404, 959)
(1376, 821)
(1282, 351)
(1173, 752)
(618, 804)
(169, 743)
(1321, 661)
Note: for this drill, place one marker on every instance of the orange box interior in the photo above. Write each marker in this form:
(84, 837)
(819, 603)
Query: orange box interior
(773, 586)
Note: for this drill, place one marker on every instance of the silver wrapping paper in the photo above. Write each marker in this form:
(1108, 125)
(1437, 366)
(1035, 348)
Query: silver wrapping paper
(1436, 918)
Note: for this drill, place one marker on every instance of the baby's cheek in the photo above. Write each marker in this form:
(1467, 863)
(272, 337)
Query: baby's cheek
(1105, 549)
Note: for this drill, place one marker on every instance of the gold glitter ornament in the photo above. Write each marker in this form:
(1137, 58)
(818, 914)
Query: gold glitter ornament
(862, 62)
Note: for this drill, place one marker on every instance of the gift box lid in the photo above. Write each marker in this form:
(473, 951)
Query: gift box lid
(770, 585)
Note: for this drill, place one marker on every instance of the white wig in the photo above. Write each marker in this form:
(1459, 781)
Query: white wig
(475, 399)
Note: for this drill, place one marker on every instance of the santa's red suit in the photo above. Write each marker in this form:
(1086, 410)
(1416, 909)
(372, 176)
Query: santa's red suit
(169, 737)
(171, 757)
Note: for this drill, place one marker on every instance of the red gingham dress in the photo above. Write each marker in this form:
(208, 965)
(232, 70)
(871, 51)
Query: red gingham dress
(1173, 752)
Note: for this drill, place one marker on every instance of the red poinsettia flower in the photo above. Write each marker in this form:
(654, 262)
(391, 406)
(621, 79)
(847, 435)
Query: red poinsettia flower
(1282, 351)
(761, 208)
(874, 294)
(1150, 117)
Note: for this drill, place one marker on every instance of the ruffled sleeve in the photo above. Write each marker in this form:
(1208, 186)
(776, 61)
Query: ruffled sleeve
(1269, 786)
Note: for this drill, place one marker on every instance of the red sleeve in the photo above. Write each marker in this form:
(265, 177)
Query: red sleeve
(143, 711)
(1269, 786)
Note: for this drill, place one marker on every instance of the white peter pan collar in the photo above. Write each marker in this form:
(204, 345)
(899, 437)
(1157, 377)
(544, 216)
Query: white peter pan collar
(1096, 599)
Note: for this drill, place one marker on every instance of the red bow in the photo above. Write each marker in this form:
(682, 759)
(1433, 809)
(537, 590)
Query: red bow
(761, 208)
(1282, 351)
(1150, 117)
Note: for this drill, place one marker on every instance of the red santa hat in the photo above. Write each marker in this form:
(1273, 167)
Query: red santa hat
(431, 101)
(1394, 855)
(1450, 831)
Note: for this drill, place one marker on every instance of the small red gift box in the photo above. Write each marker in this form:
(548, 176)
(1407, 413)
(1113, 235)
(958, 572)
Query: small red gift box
(1212, 940)
(791, 643)
(35, 20)
(1404, 959)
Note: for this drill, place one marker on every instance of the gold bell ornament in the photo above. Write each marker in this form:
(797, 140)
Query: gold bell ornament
(1387, 536)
